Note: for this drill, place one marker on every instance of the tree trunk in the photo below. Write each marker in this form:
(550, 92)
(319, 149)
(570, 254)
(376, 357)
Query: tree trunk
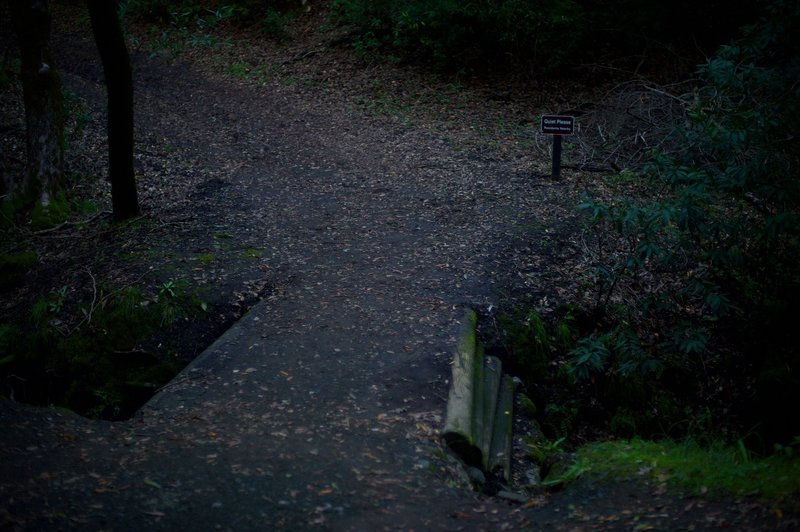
(44, 105)
(119, 81)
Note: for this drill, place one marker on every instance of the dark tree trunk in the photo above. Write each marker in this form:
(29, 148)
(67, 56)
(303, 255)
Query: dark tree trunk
(44, 105)
(119, 81)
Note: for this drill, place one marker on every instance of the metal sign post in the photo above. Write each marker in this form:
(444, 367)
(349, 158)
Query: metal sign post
(558, 126)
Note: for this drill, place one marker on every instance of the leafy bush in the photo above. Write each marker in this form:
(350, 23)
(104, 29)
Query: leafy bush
(527, 344)
(84, 353)
(708, 266)
(205, 14)
(456, 34)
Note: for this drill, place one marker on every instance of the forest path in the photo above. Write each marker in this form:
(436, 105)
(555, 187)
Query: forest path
(320, 408)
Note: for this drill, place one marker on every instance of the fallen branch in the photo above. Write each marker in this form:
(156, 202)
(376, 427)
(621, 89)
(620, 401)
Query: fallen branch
(70, 223)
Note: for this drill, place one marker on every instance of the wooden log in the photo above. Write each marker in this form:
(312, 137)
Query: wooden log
(460, 425)
(478, 418)
(492, 373)
(500, 453)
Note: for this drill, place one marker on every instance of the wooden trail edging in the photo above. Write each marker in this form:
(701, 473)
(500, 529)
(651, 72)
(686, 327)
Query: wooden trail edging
(479, 405)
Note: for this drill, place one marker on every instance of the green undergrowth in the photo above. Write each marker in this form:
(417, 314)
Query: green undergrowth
(583, 384)
(88, 348)
(56, 212)
(682, 324)
(710, 471)
(22, 210)
(15, 265)
(175, 26)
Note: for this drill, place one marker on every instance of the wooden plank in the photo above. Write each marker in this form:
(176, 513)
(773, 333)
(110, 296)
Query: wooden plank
(493, 371)
(460, 424)
(500, 453)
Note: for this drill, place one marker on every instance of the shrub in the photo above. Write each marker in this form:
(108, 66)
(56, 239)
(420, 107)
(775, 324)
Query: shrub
(527, 343)
(85, 353)
(709, 267)
(456, 34)
(718, 470)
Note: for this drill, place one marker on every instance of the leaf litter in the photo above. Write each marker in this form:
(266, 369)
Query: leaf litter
(372, 229)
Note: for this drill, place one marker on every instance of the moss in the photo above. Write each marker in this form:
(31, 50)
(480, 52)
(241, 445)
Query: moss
(253, 253)
(56, 212)
(85, 207)
(528, 406)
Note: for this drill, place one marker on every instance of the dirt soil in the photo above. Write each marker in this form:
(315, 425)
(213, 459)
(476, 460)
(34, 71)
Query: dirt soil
(360, 207)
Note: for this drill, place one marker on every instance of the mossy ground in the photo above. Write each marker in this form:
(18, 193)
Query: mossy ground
(717, 470)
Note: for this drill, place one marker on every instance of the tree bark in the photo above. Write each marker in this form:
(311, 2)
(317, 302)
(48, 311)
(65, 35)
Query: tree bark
(119, 82)
(44, 105)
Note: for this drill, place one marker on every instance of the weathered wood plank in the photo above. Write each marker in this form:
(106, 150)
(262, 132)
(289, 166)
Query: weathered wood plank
(500, 453)
(460, 425)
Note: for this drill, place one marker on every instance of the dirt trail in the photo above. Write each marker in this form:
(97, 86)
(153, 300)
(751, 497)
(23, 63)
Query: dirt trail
(319, 409)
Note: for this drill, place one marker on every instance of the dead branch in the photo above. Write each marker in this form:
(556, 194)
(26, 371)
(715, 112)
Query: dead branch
(87, 316)
(69, 223)
(624, 127)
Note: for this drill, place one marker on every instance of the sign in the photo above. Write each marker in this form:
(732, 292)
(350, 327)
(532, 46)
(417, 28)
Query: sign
(558, 125)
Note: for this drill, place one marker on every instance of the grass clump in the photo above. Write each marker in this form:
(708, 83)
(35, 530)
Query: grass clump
(206, 258)
(716, 470)
(253, 253)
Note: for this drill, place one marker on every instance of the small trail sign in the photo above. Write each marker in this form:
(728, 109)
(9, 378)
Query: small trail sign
(558, 126)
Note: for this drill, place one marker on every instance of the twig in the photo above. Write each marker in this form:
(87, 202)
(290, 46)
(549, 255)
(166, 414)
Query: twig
(118, 290)
(87, 317)
(68, 223)
(665, 93)
(130, 352)
(302, 56)
(587, 167)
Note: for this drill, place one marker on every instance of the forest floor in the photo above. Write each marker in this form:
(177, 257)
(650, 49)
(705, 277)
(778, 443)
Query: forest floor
(348, 210)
